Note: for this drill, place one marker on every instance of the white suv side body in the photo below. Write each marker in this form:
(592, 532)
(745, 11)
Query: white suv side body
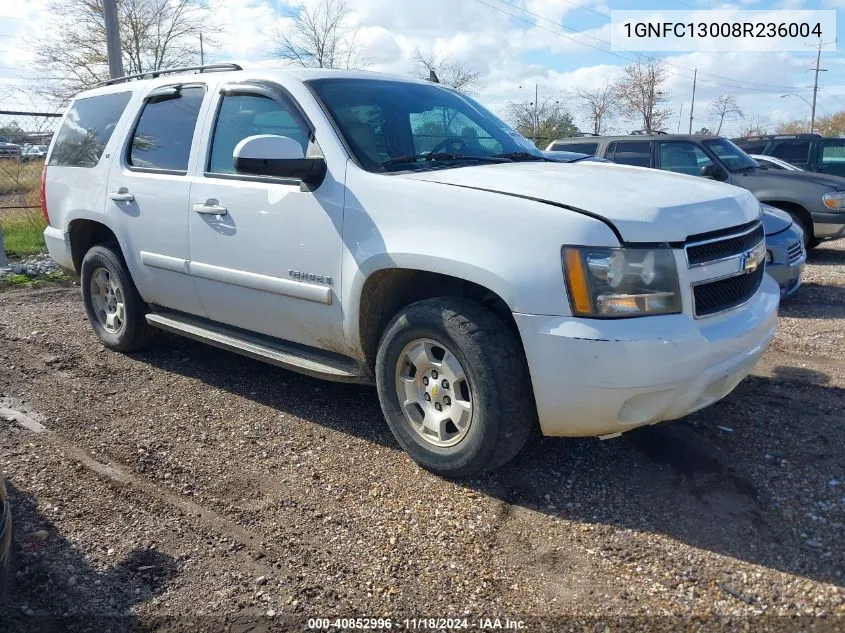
(326, 268)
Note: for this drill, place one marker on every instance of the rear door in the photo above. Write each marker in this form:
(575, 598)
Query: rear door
(831, 159)
(148, 195)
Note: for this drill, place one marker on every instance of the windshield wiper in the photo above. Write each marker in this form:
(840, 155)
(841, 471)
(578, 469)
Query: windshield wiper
(517, 156)
(443, 156)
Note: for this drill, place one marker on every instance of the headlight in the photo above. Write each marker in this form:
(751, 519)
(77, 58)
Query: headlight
(834, 200)
(621, 282)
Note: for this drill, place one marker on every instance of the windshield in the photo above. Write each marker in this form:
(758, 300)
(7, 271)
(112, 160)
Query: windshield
(396, 125)
(730, 155)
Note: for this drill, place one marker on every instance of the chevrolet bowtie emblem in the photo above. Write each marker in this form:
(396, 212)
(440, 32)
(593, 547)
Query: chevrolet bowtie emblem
(751, 260)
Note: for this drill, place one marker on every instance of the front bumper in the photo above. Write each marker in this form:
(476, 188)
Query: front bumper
(602, 377)
(788, 275)
(58, 245)
(828, 226)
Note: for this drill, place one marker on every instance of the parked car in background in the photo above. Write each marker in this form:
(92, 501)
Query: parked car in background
(9, 150)
(774, 163)
(810, 152)
(33, 152)
(815, 201)
(5, 537)
(573, 157)
(785, 253)
(377, 229)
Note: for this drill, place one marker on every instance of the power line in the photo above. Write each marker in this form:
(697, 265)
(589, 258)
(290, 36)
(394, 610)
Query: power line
(742, 84)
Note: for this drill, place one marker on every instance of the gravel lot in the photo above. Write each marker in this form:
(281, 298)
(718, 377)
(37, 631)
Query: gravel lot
(186, 488)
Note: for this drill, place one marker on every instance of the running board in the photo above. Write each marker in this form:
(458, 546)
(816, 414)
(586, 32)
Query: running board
(289, 356)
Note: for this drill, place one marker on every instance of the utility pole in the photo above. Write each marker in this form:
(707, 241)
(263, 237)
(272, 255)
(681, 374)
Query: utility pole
(536, 122)
(112, 38)
(202, 52)
(816, 83)
(680, 116)
(692, 105)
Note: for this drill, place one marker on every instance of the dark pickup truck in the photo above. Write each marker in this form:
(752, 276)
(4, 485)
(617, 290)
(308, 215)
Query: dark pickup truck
(811, 152)
(816, 201)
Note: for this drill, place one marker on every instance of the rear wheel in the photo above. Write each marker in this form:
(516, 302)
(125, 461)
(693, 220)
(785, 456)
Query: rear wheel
(114, 307)
(454, 386)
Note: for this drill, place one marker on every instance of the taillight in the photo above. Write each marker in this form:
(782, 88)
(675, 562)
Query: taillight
(44, 195)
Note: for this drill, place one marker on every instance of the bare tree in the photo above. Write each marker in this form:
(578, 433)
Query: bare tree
(548, 121)
(723, 106)
(322, 35)
(449, 72)
(154, 34)
(641, 91)
(598, 105)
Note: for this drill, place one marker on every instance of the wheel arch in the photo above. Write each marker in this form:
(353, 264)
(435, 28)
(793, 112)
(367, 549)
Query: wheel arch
(84, 233)
(793, 208)
(385, 291)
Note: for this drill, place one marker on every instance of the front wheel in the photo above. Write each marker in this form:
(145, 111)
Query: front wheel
(454, 387)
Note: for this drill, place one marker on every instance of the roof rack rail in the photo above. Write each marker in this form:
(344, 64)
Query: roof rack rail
(152, 74)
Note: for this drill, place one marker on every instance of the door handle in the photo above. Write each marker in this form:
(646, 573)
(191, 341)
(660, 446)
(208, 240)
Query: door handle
(210, 207)
(122, 195)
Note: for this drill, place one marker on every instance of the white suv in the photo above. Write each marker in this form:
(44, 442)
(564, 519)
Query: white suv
(376, 229)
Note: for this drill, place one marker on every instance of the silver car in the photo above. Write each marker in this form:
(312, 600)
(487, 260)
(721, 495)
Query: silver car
(785, 254)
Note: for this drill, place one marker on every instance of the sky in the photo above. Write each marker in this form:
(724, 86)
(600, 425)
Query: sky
(557, 45)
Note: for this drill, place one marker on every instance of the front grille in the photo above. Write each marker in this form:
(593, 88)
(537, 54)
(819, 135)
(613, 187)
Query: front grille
(724, 294)
(795, 252)
(720, 249)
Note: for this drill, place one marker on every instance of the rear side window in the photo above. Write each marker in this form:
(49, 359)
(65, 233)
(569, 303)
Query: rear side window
(86, 130)
(793, 151)
(164, 133)
(244, 115)
(582, 148)
(632, 153)
(833, 152)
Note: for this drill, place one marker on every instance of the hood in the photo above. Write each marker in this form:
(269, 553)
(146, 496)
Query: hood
(832, 183)
(645, 205)
(775, 220)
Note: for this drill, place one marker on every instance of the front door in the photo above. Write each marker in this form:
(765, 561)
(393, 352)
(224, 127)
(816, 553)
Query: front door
(266, 252)
(148, 195)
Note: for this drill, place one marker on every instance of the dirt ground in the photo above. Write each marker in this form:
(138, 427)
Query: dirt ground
(189, 489)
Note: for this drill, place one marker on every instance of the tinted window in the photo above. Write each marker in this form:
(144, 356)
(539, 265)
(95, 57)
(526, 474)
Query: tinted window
(833, 152)
(752, 147)
(393, 125)
(683, 158)
(583, 148)
(632, 153)
(163, 136)
(793, 151)
(87, 128)
(731, 156)
(241, 116)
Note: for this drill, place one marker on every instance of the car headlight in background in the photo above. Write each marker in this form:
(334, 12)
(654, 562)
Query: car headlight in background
(621, 282)
(834, 200)
(769, 257)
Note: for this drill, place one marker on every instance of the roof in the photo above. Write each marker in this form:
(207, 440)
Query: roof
(640, 137)
(301, 74)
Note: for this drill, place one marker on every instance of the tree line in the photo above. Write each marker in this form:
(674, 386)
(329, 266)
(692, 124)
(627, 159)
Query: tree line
(160, 34)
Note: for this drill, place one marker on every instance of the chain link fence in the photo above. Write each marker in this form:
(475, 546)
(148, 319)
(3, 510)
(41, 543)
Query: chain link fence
(24, 138)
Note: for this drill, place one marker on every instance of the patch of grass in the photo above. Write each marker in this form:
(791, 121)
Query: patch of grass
(22, 281)
(23, 232)
(19, 177)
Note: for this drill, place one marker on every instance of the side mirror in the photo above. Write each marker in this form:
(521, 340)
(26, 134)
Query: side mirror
(280, 156)
(712, 171)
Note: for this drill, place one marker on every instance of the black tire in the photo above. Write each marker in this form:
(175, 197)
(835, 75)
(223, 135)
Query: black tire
(134, 332)
(503, 409)
(806, 226)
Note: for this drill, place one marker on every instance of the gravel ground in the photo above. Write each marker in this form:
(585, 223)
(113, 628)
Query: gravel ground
(33, 266)
(185, 488)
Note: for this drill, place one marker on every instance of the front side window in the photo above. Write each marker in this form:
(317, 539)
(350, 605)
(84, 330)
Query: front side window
(87, 129)
(164, 133)
(731, 156)
(683, 158)
(632, 153)
(793, 151)
(833, 153)
(243, 115)
(395, 125)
